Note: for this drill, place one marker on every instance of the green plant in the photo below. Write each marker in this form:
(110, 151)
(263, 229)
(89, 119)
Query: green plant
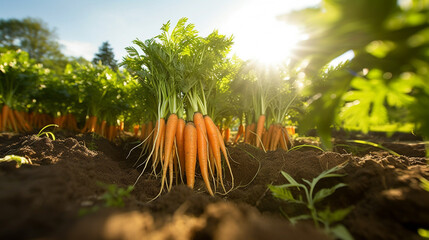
(305, 145)
(41, 132)
(309, 198)
(375, 145)
(18, 159)
(424, 233)
(114, 195)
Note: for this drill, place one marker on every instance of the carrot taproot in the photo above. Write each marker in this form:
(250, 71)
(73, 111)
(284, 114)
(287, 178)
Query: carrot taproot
(223, 149)
(259, 129)
(212, 133)
(283, 141)
(239, 133)
(5, 112)
(170, 134)
(136, 129)
(158, 142)
(202, 149)
(276, 137)
(103, 128)
(143, 131)
(180, 144)
(190, 139)
(227, 134)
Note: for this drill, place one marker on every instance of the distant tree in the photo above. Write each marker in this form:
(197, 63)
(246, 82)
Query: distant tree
(106, 56)
(33, 36)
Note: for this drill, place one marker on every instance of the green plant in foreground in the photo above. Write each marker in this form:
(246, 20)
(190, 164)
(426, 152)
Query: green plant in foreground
(41, 132)
(113, 197)
(375, 145)
(424, 233)
(310, 199)
(18, 159)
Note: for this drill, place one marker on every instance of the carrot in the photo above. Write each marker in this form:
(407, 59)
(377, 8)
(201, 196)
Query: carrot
(283, 141)
(227, 134)
(214, 147)
(202, 149)
(143, 131)
(136, 129)
(170, 133)
(190, 138)
(239, 133)
(267, 137)
(259, 129)
(5, 112)
(103, 128)
(223, 149)
(276, 137)
(247, 134)
(180, 144)
(159, 129)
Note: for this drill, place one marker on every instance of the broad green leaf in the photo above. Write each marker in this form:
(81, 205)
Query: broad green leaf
(289, 178)
(336, 216)
(341, 232)
(294, 220)
(325, 192)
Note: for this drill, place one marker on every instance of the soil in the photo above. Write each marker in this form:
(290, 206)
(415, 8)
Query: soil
(60, 195)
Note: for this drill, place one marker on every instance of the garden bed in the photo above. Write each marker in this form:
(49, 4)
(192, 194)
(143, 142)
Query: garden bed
(58, 196)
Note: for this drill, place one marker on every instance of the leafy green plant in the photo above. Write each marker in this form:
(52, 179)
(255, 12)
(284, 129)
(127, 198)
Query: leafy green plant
(18, 159)
(41, 132)
(424, 233)
(113, 197)
(309, 198)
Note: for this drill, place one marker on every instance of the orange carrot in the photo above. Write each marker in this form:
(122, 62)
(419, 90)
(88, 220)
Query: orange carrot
(227, 134)
(276, 137)
(143, 131)
(170, 133)
(190, 138)
(180, 144)
(157, 138)
(283, 143)
(202, 149)
(136, 129)
(214, 146)
(267, 137)
(223, 149)
(103, 128)
(259, 129)
(239, 133)
(5, 112)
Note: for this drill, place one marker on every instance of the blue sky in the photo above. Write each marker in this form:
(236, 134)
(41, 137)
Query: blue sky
(82, 26)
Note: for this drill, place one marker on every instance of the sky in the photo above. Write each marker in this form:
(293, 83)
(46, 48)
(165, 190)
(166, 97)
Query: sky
(82, 26)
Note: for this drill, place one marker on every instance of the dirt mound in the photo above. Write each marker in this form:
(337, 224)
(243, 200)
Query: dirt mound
(45, 199)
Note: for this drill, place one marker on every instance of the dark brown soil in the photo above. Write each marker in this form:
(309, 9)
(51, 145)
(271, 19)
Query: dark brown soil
(46, 200)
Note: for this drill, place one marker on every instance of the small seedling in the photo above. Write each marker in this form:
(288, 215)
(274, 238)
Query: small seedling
(305, 145)
(375, 145)
(18, 159)
(309, 199)
(113, 197)
(41, 132)
(424, 233)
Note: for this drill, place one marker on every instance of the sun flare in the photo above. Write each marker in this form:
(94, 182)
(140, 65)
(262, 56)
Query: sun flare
(259, 35)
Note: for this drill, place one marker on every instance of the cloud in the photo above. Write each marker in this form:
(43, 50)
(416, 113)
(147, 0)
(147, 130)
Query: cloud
(79, 49)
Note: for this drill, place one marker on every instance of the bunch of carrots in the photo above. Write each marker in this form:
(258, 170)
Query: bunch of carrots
(177, 75)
